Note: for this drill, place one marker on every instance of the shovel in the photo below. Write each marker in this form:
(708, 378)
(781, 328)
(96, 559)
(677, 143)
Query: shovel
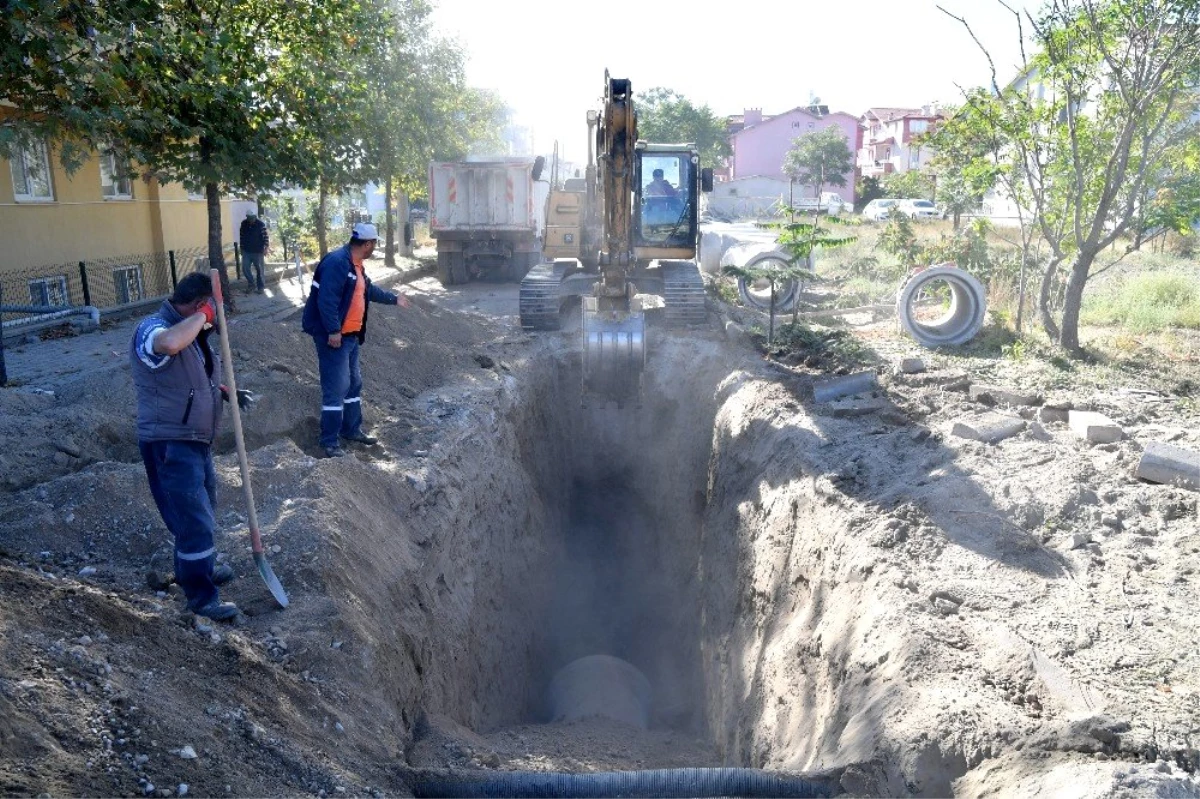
(260, 559)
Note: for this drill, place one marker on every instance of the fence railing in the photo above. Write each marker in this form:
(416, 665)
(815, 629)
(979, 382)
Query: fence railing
(104, 283)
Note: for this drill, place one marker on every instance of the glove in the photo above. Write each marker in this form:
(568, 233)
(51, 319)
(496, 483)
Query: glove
(245, 397)
(210, 313)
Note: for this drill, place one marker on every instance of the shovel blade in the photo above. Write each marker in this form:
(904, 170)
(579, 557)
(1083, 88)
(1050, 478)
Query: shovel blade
(270, 579)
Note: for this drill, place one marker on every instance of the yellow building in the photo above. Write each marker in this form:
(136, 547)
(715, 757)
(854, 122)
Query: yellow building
(122, 231)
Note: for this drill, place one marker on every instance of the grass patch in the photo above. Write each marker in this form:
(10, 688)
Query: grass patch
(1145, 302)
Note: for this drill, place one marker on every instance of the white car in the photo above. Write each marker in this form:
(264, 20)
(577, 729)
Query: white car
(877, 210)
(919, 209)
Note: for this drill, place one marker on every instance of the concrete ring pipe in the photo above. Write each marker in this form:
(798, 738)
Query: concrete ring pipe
(942, 306)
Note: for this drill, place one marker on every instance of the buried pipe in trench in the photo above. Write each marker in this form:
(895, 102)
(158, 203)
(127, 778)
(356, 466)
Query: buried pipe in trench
(656, 782)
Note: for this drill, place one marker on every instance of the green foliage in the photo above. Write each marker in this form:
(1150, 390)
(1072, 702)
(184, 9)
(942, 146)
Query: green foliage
(912, 184)
(868, 189)
(667, 116)
(1146, 302)
(899, 239)
(967, 248)
(819, 349)
(819, 159)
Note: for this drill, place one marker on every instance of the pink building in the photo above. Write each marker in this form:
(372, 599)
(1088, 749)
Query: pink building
(762, 143)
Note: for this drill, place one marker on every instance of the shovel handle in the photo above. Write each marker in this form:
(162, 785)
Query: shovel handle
(231, 382)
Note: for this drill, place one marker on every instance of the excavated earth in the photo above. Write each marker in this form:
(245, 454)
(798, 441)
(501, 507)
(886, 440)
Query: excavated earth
(837, 588)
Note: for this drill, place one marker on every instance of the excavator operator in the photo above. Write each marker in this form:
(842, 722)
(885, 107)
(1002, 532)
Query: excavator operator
(659, 187)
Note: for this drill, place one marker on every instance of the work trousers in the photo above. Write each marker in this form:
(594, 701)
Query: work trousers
(256, 260)
(183, 483)
(341, 389)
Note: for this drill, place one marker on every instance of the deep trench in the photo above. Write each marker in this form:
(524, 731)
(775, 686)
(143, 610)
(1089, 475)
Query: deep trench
(623, 570)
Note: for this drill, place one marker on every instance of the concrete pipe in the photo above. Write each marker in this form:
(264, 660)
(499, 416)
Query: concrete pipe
(600, 685)
(758, 295)
(952, 322)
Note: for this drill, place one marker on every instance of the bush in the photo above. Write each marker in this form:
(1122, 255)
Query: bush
(1145, 302)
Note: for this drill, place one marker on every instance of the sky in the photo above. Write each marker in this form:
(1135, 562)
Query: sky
(546, 58)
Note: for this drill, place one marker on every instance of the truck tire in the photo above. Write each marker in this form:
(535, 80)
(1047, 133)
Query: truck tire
(458, 267)
(451, 268)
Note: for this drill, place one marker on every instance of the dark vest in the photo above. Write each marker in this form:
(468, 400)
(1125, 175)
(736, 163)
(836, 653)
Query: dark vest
(182, 400)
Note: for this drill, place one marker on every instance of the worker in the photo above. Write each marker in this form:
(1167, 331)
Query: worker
(255, 241)
(178, 413)
(659, 187)
(335, 315)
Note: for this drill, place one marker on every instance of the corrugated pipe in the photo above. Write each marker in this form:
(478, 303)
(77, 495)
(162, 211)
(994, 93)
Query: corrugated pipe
(677, 782)
(45, 314)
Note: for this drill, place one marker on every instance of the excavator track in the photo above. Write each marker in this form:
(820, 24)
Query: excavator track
(540, 297)
(683, 294)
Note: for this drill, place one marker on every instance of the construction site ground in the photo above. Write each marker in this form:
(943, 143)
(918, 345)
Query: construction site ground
(844, 588)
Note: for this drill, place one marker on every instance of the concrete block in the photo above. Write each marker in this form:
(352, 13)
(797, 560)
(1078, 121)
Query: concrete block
(1163, 463)
(994, 395)
(844, 386)
(1094, 427)
(861, 406)
(1048, 414)
(988, 429)
(910, 366)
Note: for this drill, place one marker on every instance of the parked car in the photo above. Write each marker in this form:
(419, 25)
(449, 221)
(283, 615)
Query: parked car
(920, 209)
(877, 210)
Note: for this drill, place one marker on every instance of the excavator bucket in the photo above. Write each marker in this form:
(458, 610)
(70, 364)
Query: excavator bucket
(614, 353)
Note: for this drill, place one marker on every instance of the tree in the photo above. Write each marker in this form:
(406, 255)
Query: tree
(1113, 120)
(819, 159)
(667, 116)
(220, 95)
(912, 184)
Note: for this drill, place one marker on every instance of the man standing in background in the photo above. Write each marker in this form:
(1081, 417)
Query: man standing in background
(255, 242)
(335, 315)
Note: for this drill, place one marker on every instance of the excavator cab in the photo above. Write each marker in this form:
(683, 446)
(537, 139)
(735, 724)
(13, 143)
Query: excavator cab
(631, 232)
(665, 204)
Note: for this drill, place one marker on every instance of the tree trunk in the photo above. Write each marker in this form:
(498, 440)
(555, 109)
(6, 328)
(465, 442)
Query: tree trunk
(389, 257)
(322, 203)
(1044, 299)
(771, 323)
(216, 254)
(404, 211)
(1068, 336)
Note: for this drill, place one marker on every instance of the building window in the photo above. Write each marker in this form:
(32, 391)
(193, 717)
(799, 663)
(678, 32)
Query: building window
(31, 174)
(128, 282)
(914, 159)
(918, 125)
(114, 176)
(49, 292)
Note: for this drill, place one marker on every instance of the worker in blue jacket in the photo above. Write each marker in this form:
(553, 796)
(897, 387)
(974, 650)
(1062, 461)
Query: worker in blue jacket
(335, 315)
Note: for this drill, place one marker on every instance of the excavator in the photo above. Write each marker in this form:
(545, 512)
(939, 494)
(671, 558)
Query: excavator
(625, 230)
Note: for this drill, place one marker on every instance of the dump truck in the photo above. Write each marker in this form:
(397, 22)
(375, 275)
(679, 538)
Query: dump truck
(488, 217)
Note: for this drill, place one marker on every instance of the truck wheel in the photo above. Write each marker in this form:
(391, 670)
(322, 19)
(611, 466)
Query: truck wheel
(458, 267)
(443, 269)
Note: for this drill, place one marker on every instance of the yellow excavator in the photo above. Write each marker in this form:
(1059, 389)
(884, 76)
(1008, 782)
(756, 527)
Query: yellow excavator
(627, 228)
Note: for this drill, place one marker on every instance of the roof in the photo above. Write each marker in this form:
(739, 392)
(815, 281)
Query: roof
(887, 114)
(803, 109)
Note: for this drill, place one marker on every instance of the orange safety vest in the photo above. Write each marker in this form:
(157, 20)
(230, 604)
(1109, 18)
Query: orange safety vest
(358, 303)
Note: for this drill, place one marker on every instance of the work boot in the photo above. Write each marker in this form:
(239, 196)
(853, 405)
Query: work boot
(334, 452)
(362, 438)
(218, 610)
(222, 574)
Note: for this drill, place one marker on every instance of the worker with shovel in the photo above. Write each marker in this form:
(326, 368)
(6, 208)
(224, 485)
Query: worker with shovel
(335, 315)
(177, 377)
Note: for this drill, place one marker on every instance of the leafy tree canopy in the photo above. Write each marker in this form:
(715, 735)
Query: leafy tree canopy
(820, 159)
(667, 116)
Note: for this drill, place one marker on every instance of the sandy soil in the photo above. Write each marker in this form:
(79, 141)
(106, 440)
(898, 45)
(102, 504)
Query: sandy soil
(866, 592)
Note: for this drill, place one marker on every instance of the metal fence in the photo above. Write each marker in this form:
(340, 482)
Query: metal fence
(103, 283)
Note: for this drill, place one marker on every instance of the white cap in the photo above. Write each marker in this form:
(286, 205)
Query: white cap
(364, 231)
